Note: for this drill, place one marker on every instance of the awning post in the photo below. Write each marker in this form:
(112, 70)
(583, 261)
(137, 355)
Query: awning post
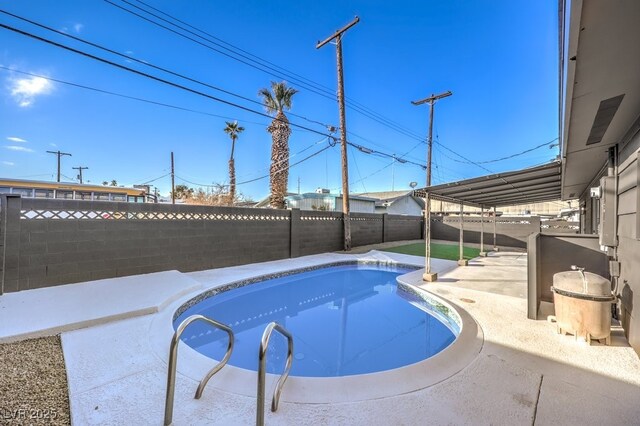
(428, 275)
(495, 245)
(482, 252)
(462, 261)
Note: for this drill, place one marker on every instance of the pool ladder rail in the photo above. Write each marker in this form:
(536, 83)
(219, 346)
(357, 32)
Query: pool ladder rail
(262, 366)
(262, 361)
(173, 360)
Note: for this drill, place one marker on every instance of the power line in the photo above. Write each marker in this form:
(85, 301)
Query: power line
(313, 87)
(150, 76)
(520, 153)
(291, 156)
(130, 58)
(158, 178)
(151, 65)
(264, 176)
(121, 95)
(179, 86)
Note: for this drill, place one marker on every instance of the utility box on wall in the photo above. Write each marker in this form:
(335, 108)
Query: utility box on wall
(608, 203)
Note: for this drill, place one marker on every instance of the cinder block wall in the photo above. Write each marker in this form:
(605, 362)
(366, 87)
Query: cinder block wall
(367, 228)
(51, 242)
(398, 228)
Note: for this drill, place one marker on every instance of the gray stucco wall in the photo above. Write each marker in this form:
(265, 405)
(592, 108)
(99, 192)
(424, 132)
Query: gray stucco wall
(552, 253)
(51, 242)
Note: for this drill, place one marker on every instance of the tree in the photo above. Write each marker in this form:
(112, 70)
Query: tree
(183, 192)
(233, 130)
(276, 101)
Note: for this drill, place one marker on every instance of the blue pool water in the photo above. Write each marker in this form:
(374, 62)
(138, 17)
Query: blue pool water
(345, 320)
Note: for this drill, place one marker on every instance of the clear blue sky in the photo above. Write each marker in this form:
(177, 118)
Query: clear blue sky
(499, 58)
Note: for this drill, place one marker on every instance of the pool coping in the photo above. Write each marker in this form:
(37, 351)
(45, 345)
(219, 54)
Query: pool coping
(323, 390)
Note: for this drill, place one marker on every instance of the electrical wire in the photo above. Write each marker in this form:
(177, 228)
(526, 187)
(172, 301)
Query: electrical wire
(327, 93)
(289, 158)
(158, 178)
(121, 95)
(265, 176)
(152, 77)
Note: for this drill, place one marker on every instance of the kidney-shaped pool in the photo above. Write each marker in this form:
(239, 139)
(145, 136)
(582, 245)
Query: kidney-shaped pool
(345, 320)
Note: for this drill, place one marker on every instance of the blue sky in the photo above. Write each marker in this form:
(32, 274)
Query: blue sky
(499, 58)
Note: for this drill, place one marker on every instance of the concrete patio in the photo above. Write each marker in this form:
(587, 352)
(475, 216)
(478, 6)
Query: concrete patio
(525, 373)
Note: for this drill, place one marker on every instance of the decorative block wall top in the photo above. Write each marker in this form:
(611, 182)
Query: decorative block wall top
(147, 215)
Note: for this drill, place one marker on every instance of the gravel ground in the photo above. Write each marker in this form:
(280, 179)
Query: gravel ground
(33, 383)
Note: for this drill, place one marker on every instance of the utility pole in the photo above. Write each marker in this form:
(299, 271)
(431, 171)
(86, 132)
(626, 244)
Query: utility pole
(431, 100)
(298, 185)
(173, 182)
(337, 36)
(59, 154)
(80, 169)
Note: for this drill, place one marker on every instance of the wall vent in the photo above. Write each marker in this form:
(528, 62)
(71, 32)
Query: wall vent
(606, 111)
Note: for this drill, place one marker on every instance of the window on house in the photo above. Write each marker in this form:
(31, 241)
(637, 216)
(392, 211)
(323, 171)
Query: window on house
(44, 193)
(25, 192)
(65, 195)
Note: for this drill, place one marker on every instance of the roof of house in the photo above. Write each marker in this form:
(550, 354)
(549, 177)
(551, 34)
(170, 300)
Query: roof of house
(265, 202)
(320, 195)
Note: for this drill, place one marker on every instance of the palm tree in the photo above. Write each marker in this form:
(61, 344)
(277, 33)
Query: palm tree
(276, 101)
(233, 130)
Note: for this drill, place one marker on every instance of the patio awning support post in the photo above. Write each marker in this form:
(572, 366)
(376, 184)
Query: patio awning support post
(482, 252)
(428, 275)
(495, 245)
(462, 261)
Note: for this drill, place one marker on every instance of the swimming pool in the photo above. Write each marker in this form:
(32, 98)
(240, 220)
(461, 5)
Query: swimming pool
(346, 320)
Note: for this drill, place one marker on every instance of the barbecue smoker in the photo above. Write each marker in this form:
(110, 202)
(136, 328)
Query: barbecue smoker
(583, 304)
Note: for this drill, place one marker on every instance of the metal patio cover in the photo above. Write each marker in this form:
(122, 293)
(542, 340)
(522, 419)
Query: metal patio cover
(532, 185)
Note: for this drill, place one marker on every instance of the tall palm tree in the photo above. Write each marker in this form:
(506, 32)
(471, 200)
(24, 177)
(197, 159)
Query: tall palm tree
(276, 101)
(233, 130)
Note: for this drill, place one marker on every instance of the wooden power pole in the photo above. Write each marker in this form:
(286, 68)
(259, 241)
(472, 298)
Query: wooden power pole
(337, 36)
(59, 154)
(431, 100)
(80, 169)
(173, 181)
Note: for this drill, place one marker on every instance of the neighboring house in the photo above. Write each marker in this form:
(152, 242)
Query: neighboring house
(264, 203)
(330, 202)
(396, 202)
(73, 191)
(324, 201)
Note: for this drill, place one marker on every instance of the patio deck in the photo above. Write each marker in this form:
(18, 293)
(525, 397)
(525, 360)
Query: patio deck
(524, 374)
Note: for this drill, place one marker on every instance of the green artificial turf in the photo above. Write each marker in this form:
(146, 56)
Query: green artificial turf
(438, 251)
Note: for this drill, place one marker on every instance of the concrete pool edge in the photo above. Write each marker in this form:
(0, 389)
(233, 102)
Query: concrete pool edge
(316, 390)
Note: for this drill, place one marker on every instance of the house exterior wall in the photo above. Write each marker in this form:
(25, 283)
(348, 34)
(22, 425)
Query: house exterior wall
(628, 243)
(331, 204)
(357, 206)
(406, 206)
(627, 231)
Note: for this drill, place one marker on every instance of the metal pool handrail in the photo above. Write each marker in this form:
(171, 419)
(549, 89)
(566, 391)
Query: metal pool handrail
(173, 359)
(262, 361)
